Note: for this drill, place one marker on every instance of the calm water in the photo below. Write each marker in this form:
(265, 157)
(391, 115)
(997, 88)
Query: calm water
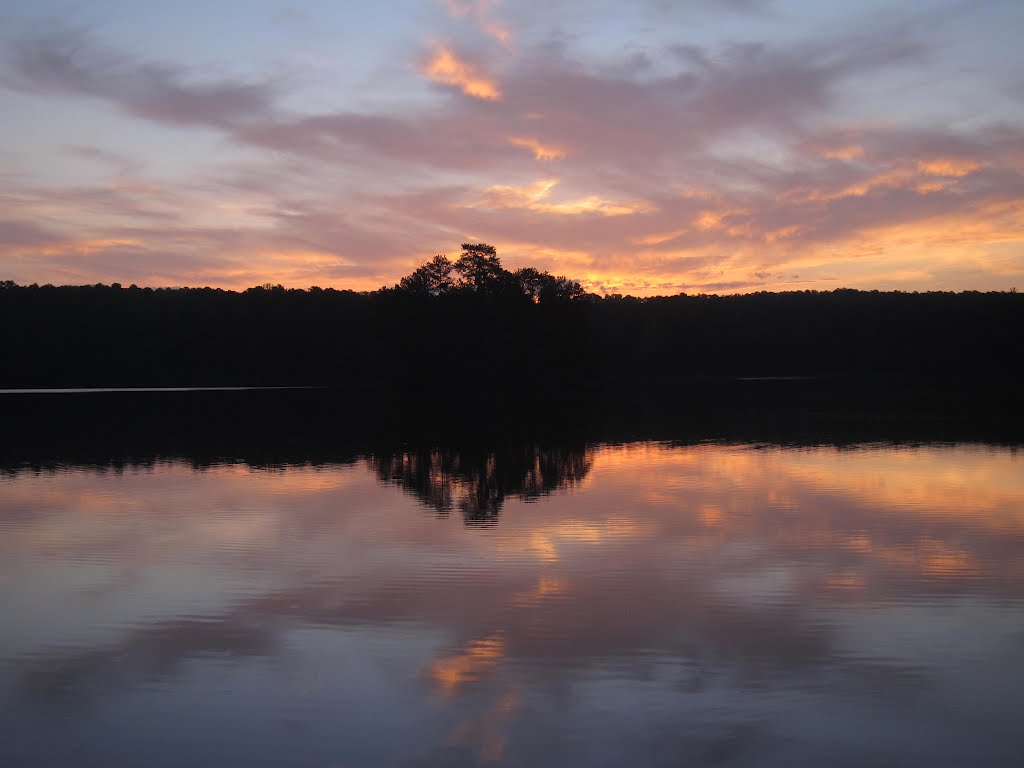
(583, 605)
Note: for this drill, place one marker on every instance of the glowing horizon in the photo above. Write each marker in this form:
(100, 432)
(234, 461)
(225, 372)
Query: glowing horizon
(641, 148)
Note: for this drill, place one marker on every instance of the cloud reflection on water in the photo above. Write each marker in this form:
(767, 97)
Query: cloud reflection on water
(650, 573)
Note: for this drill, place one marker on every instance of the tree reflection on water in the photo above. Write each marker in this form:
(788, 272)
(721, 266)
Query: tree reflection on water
(477, 481)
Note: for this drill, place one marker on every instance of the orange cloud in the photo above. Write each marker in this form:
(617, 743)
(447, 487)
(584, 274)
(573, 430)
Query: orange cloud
(781, 234)
(593, 204)
(660, 237)
(708, 220)
(91, 246)
(915, 254)
(924, 177)
(849, 152)
(968, 230)
(892, 178)
(511, 196)
(447, 68)
(533, 197)
(947, 166)
(540, 151)
(718, 221)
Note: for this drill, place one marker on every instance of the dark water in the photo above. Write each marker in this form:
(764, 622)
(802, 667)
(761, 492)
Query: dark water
(579, 603)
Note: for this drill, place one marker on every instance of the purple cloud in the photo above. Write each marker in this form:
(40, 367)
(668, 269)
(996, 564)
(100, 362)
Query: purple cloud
(72, 63)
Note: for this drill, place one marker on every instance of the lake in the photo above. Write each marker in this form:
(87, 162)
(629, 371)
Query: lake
(563, 602)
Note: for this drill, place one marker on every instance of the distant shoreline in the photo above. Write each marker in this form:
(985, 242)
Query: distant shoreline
(503, 338)
(101, 390)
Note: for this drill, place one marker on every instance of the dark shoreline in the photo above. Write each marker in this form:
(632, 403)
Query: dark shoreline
(393, 340)
(268, 427)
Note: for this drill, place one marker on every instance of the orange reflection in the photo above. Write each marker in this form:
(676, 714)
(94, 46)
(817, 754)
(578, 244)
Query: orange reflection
(546, 542)
(846, 581)
(738, 492)
(711, 514)
(469, 665)
(547, 587)
(927, 556)
(483, 734)
(974, 484)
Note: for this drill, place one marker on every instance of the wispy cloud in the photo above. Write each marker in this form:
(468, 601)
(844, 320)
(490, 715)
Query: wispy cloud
(445, 67)
(70, 62)
(536, 197)
(480, 12)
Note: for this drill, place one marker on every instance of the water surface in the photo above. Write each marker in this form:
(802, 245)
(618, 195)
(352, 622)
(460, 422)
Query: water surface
(645, 603)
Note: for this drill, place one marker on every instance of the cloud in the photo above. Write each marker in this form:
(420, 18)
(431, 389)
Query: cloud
(632, 123)
(480, 13)
(674, 7)
(641, 127)
(534, 197)
(72, 63)
(947, 166)
(716, 165)
(23, 234)
(445, 67)
(151, 236)
(540, 151)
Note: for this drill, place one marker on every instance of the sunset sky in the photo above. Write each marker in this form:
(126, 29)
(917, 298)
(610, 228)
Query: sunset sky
(643, 147)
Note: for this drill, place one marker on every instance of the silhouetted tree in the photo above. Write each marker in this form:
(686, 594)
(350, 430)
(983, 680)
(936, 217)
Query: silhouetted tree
(533, 282)
(543, 286)
(563, 288)
(432, 279)
(480, 268)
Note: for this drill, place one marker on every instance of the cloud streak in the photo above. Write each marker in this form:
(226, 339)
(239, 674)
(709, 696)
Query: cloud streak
(479, 11)
(72, 64)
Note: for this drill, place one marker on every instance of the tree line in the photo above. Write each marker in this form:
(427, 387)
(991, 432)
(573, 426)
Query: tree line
(472, 324)
(478, 270)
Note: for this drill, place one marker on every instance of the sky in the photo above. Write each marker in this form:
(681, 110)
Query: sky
(647, 147)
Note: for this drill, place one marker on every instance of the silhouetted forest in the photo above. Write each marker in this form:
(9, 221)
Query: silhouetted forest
(471, 325)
